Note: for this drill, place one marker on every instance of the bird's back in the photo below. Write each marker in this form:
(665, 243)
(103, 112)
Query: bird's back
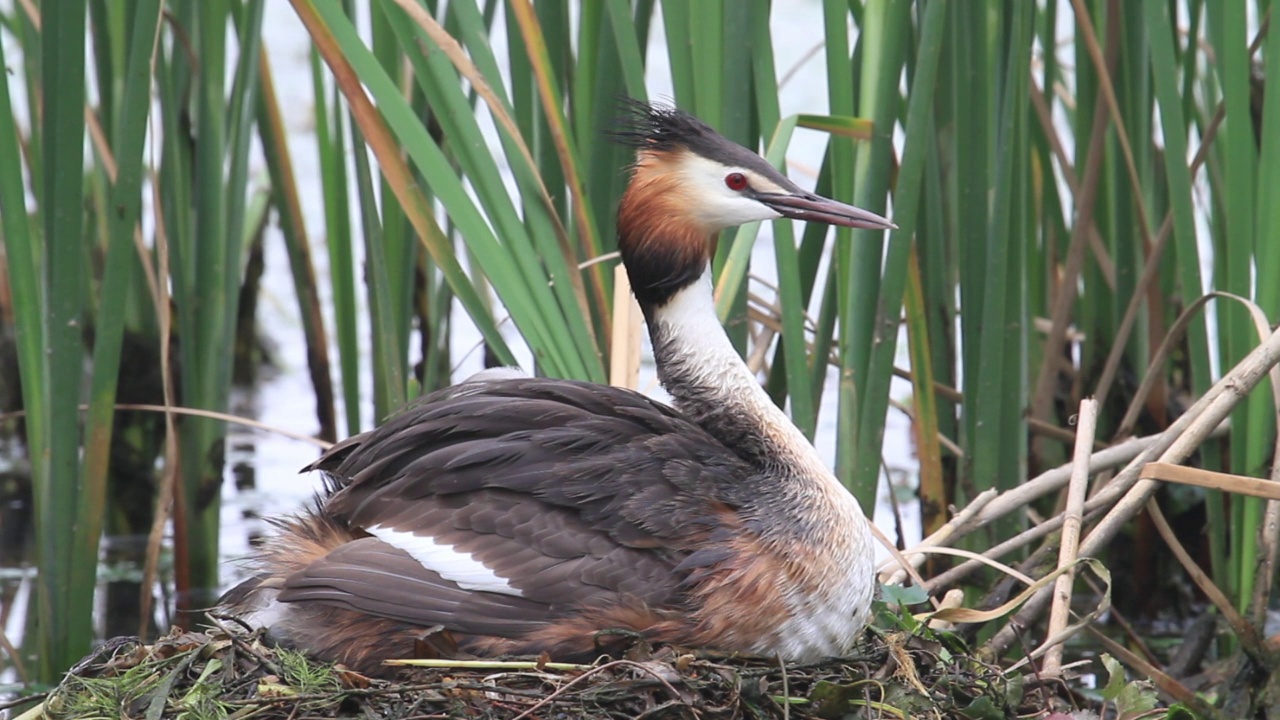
(514, 514)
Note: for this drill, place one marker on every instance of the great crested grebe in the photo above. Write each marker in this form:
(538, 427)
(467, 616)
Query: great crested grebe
(510, 514)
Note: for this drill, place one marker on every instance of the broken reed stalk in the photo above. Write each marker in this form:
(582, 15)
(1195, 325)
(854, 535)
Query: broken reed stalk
(1269, 532)
(1250, 639)
(1174, 445)
(1223, 482)
(989, 507)
(1268, 542)
(892, 572)
(624, 350)
(1060, 613)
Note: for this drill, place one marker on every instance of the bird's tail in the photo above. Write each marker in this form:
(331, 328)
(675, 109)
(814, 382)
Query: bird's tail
(297, 541)
(329, 632)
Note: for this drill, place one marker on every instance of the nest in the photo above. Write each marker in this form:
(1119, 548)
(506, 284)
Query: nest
(224, 673)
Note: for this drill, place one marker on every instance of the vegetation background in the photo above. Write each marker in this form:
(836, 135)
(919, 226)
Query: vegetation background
(1086, 195)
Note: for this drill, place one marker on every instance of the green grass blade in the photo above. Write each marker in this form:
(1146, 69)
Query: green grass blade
(1261, 415)
(331, 145)
(65, 610)
(924, 400)
(1233, 254)
(970, 184)
(389, 390)
(1268, 222)
(520, 261)
(527, 304)
(630, 53)
(547, 232)
(840, 155)
(24, 264)
(999, 391)
(1178, 177)
(320, 24)
(203, 327)
(398, 246)
(888, 311)
(883, 50)
(122, 222)
(677, 19)
(22, 260)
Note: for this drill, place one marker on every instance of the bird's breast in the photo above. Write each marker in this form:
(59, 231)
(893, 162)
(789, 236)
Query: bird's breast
(794, 592)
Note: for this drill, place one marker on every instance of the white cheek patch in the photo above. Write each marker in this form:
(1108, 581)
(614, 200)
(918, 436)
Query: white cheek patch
(452, 565)
(714, 204)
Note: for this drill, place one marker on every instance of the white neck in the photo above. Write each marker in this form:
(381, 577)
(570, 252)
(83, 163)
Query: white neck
(710, 383)
(800, 514)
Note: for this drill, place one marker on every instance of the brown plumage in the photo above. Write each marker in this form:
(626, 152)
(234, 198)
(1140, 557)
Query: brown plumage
(522, 515)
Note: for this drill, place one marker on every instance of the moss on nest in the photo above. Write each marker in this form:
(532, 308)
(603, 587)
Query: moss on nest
(221, 674)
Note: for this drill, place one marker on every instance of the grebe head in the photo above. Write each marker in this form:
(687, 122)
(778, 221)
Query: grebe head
(689, 182)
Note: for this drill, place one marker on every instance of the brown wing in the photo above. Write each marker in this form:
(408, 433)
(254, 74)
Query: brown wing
(576, 495)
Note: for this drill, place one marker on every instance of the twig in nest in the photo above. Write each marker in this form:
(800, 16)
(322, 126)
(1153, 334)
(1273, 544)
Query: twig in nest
(594, 671)
(1059, 614)
(940, 537)
(1175, 445)
(786, 689)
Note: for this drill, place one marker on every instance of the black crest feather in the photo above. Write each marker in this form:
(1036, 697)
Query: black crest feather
(658, 126)
(664, 128)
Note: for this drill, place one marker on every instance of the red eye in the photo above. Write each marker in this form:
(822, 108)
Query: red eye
(735, 181)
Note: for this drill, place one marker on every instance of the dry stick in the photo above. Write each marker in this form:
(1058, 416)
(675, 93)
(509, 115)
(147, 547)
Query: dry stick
(1170, 343)
(1150, 272)
(1054, 480)
(786, 689)
(1269, 531)
(624, 353)
(1268, 542)
(1061, 611)
(169, 478)
(1176, 444)
(1092, 510)
(1019, 497)
(940, 536)
(1210, 480)
(898, 558)
(1250, 639)
(197, 412)
(762, 341)
(1105, 265)
(595, 671)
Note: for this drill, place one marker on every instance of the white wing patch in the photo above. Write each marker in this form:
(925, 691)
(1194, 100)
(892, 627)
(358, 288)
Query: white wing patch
(452, 565)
